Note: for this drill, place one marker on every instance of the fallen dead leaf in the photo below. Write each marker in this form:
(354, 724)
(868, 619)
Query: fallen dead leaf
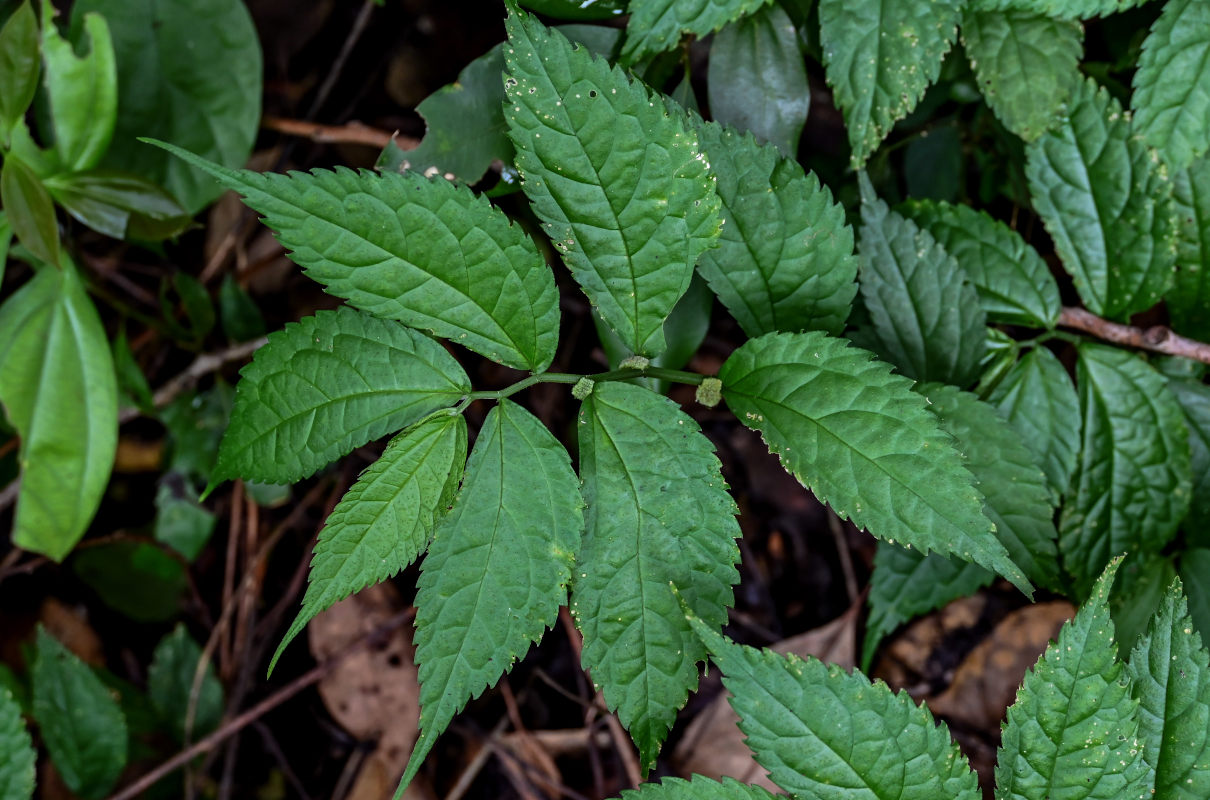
(72, 630)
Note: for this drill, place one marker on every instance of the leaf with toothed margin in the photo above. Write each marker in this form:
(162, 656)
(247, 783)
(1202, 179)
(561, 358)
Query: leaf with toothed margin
(17, 766)
(697, 788)
(657, 25)
(497, 569)
(1172, 84)
(1190, 296)
(621, 185)
(1059, 9)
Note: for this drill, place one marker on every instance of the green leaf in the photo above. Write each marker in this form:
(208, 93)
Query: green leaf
(697, 788)
(29, 208)
(1106, 204)
(384, 521)
(180, 522)
(133, 389)
(190, 74)
(826, 734)
(859, 438)
(880, 56)
(137, 579)
(1195, 573)
(80, 721)
(497, 569)
(1027, 65)
(659, 515)
(1142, 581)
(328, 384)
(926, 314)
(118, 204)
(934, 163)
(170, 680)
(16, 748)
(1060, 9)
(59, 390)
(1072, 733)
(1194, 398)
(1040, 403)
(785, 258)
(1172, 85)
(448, 261)
(1190, 297)
(577, 9)
(758, 79)
(82, 90)
(621, 185)
(657, 25)
(1013, 282)
(241, 317)
(6, 239)
(19, 58)
(1132, 484)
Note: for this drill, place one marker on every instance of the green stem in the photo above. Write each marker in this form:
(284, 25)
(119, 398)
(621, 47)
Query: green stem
(673, 375)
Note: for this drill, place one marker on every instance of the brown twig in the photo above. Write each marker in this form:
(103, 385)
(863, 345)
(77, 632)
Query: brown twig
(202, 365)
(349, 133)
(1157, 338)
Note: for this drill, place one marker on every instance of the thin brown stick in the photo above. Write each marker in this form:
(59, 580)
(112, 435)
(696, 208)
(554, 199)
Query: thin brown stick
(1157, 338)
(349, 133)
(202, 365)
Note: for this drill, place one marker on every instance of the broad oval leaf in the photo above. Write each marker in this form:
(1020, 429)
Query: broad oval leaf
(1172, 84)
(826, 734)
(1194, 399)
(785, 259)
(81, 90)
(880, 56)
(622, 186)
(1013, 282)
(857, 436)
(1107, 205)
(497, 569)
(1190, 296)
(1072, 733)
(428, 253)
(383, 523)
(17, 766)
(926, 314)
(59, 390)
(326, 385)
(697, 788)
(657, 25)
(19, 66)
(170, 677)
(81, 723)
(1027, 65)
(659, 515)
(1132, 484)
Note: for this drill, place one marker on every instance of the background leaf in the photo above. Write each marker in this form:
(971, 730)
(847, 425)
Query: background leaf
(17, 766)
(1194, 398)
(697, 788)
(118, 204)
(1190, 297)
(657, 25)
(19, 57)
(1060, 9)
(82, 90)
(1172, 84)
(170, 685)
(29, 209)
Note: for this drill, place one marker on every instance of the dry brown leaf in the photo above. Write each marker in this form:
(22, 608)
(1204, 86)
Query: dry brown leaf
(72, 630)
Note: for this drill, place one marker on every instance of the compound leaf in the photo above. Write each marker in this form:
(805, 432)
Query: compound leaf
(785, 258)
(1190, 297)
(880, 56)
(622, 186)
(1027, 65)
(826, 734)
(170, 687)
(428, 253)
(659, 515)
(1013, 282)
(657, 25)
(1132, 484)
(17, 765)
(1072, 733)
(497, 568)
(859, 438)
(1194, 398)
(326, 385)
(383, 523)
(1170, 675)
(697, 788)
(82, 91)
(1172, 85)
(926, 314)
(1106, 205)
(81, 723)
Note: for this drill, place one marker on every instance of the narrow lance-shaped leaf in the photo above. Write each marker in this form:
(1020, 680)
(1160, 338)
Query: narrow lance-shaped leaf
(82, 91)
(658, 514)
(826, 734)
(880, 56)
(326, 385)
(383, 523)
(1132, 484)
(426, 252)
(1190, 296)
(697, 788)
(18, 68)
(859, 438)
(1107, 205)
(1072, 733)
(30, 209)
(657, 25)
(17, 766)
(622, 187)
(497, 569)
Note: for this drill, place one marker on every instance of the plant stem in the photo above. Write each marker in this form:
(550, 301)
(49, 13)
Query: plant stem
(673, 375)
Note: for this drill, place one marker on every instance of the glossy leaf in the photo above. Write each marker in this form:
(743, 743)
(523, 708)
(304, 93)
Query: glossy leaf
(1013, 282)
(659, 515)
(859, 438)
(1073, 731)
(697, 788)
(426, 252)
(825, 734)
(19, 64)
(17, 765)
(190, 74)
(657, 25)
(170, 680)
(385, 520)
(82, 91)
(29, 209)
(880, 56)
(1106, 204)
(1132, 483)
(118, 204)
(1190, 297)
(926, 314)
(328, 384)
(1194, 399)
(622, 187)
(81, 724)
(758, 79)
(1172, 84)
(497, 569)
